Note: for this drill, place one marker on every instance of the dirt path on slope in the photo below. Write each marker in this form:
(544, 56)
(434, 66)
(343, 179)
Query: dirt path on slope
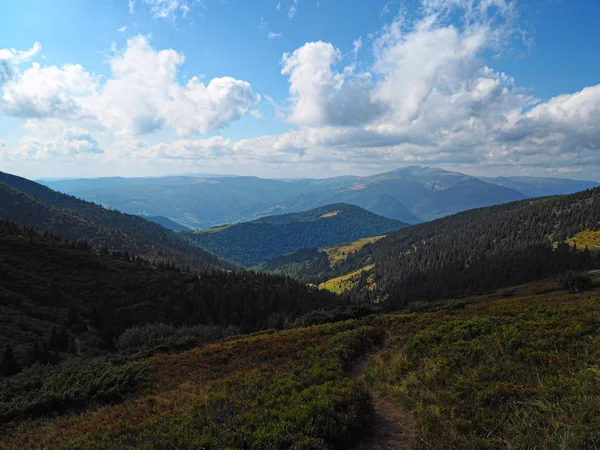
(393, 428)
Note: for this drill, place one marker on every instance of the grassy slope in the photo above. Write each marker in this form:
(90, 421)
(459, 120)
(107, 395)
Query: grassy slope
(588, 238)
(345, 282)
(271, 390)
(516, 368)
(519, 372)
(338, 253)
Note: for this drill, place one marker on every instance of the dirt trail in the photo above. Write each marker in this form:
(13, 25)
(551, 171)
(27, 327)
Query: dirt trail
(393, 428)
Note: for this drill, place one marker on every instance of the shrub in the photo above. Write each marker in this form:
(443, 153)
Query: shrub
(575, 282)
(44, 389)
(160, 337)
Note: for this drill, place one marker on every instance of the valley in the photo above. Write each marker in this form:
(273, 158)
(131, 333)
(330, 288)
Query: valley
(412, 194)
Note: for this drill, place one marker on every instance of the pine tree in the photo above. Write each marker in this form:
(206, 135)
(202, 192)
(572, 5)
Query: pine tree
(8, 364)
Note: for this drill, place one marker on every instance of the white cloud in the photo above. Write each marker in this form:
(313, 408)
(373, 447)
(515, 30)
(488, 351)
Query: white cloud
(292, 9)
(70, 143)
(356, 46)
(131, 6)
(264, 27)
(322, 96)
(428, 98)
(167, 9)
(123, 29)
(10, 58)
(141, 95)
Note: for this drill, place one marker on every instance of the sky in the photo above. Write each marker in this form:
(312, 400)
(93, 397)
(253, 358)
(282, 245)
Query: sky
(299, 88)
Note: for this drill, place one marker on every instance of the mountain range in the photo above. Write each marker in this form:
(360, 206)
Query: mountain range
(412, 194)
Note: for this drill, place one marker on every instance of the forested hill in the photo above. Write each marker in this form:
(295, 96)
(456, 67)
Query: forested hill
(253, 243)
(53, 294)
(478, 250)
(30, 204)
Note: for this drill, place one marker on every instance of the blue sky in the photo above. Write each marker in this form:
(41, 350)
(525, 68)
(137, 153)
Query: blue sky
(299, 87)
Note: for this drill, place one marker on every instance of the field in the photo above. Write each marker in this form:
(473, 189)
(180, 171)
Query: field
(514, 368)
(588, 238)
(515, 372)
(345, 282)
(340, 252)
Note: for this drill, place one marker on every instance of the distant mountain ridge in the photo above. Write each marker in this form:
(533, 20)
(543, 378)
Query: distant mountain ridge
(412, 194)
(256, 242)
(33, 205)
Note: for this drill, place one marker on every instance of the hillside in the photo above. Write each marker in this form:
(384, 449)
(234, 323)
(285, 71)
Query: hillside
(30, 204)
(315, 265)
(411, 194)
(521, 362)
(253, 243)
(414, 194)
(167, 223)
(477, 250)
(50, 288)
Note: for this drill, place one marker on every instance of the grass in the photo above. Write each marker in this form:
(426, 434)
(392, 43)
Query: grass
(345, 282)
(519, 372)
(339, 253)
(588, 238)
(269, 390)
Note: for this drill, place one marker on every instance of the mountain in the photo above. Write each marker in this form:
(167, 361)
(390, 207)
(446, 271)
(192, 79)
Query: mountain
(412, 194)
(478, 250)
(49, 287)
(542, 187)
(252, 243)
(195, 202)
(33, 205)
(167, 223)
(415, 194)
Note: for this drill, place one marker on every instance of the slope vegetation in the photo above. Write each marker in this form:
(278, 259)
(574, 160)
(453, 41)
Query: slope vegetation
(256, 242)
(66, 300)
(479, 250)
(33, 205)
(515, 368)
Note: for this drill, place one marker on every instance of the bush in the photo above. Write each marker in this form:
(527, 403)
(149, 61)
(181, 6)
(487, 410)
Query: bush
(44, 389)
(160, 337)
(575, 282)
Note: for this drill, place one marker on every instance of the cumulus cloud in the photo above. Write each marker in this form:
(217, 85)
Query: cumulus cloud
(141, 95)
(71, 143)
(9, 58)
(430, 96)
(322, 96)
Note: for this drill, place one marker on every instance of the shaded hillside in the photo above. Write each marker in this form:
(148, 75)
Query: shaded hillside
(50, 288)
(478, 250)
(253, 243)
(167, 223)
(33, 205)
(196, 202)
